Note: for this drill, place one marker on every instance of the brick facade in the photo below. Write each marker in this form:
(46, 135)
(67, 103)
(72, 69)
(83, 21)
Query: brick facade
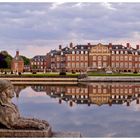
(38, 63)
(79, 58)
(17, 64)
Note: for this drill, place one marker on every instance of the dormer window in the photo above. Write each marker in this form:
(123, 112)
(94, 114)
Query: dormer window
(125, 52)
(117, 52)
(82, 47)
(82, 52)
(113, 52)
(61, 53)
(86, 52)
(51, 54)
(73, 52)
(77, 52)
(121, 52)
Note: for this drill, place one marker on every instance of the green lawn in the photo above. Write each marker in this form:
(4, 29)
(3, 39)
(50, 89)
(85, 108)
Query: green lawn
(114, 74)
(41, 75)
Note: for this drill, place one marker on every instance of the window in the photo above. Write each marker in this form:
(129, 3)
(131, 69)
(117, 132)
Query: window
(86, 58)
(136, 65)
(82, 52)
(82, 58)
(136, 58)
(117, 58)
(104, 64)
(117, 64)
(94, 58)
(86, 52)
(69, 58)
(73, 65)
(82, 64)
(58, 65)
(121, 64)
(130, 58)
(125, 57)
(86, 64)
(99, 57)
(117, 52)
(58, 59)
(73, 58)
(113, 52)
(94, 64)
(104, 57)
(94, 90)
(77, 65)
(121, 52)
(104, 91)
(113, 64)
(121, 58)
(77, 52)
(130, 65)
(126, 65)
(125, 52)
(113, 57)
(77, 58)
(69, 64)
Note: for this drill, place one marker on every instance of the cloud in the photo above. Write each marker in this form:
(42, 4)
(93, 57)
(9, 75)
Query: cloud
(24, 24)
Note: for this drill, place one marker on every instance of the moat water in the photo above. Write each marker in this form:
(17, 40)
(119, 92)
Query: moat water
(95, 109)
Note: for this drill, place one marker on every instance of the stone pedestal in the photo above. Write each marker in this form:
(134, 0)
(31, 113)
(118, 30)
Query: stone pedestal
(25, 133)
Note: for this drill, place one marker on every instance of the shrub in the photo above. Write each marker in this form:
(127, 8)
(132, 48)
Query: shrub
(62, 73)
(19, 73)
(34, 72)
(73, 72)
(135, 72)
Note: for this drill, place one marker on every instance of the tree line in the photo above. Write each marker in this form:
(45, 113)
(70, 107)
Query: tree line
(6, 59)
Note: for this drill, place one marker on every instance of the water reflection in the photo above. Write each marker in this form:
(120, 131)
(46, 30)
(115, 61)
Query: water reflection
(94, 93)
(107, 116)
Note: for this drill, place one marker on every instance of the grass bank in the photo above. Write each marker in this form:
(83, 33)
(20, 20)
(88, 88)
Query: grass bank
(41, 75)
(113, 74)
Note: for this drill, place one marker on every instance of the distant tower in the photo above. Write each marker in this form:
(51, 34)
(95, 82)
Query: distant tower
(17, 64)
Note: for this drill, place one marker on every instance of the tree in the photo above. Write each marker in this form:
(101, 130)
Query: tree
(5, 59)
(26, 60)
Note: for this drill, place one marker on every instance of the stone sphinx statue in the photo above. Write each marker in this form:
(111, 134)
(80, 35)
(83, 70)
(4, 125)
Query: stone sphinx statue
(9, 115)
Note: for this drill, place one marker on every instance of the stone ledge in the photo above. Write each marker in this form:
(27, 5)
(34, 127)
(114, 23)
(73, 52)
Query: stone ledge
(66, 135)
(25, 133)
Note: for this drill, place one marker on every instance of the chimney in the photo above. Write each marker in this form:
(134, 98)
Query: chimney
(17, 53)
(110, 45)
(60, 47)
(71, 45)
(128, 45)
(89, 44)
(137, 47)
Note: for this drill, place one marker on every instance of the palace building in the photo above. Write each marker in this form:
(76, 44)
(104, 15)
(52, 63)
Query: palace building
(81, 58)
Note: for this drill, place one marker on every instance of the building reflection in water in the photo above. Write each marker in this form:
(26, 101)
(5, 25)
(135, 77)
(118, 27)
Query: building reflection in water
(92, 93)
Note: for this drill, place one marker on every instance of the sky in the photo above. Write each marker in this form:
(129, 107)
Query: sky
(36, 28)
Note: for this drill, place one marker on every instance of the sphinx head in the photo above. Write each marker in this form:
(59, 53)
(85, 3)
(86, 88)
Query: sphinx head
(6, 91)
